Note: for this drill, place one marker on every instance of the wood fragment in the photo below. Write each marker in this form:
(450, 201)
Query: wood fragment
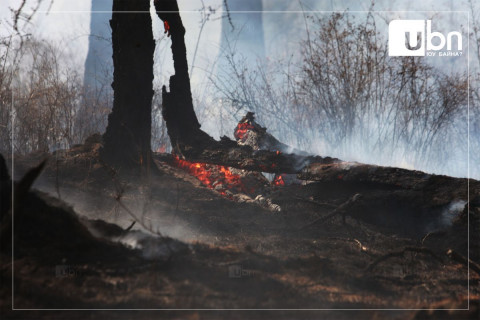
(130, 226)
(433, 234)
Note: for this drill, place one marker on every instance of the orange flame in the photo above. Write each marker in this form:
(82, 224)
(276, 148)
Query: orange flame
(278, 181)
(213, 175)
(241, 130)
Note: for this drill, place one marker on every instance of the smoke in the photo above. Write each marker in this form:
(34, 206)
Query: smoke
(153, 213)
(374, 120)
(447, 216)
(269, 48)
(152, 248)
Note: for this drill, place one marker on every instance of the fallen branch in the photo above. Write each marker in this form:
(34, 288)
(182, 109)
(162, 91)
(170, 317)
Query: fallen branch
(433, 234)
(340, 209)
(130, 226)
(120, 190)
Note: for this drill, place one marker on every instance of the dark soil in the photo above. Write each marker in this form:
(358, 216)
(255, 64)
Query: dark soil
(385, 250)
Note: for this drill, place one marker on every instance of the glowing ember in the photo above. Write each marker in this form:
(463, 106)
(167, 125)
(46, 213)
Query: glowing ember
(278, 181)
(215, 177)
(241, 130)
(166, 25)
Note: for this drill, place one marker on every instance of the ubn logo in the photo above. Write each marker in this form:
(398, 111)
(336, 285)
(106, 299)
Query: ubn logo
(415, 38)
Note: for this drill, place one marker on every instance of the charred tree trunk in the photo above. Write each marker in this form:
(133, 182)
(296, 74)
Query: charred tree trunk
(188, 141)
(182, 123)
(128, 134)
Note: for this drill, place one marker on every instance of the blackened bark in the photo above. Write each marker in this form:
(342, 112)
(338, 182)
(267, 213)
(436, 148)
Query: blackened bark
(228, 153)
(128, 134)
(182, 123)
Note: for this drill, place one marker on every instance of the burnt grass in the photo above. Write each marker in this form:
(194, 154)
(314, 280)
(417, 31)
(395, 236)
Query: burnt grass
(388, 250)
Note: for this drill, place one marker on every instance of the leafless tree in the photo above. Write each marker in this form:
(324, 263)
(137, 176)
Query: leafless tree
(349, 95)
(45, 95)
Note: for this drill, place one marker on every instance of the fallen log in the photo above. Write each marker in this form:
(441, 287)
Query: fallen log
(227, 153)
(438, 188)
(249, 133)
(354, 171)
(267, 154)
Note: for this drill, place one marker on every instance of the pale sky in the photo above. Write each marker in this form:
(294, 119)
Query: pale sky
(68, 23)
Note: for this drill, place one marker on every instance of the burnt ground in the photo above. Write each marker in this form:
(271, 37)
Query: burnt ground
(387, 249)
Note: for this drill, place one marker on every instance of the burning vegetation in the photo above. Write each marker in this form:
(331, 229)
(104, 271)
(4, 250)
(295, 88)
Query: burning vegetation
(278, 181)
(229, 181)
(241, 132)
(216, 177)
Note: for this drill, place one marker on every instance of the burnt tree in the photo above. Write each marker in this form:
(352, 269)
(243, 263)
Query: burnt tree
(182, 123)
(128, 134)
(188, 140)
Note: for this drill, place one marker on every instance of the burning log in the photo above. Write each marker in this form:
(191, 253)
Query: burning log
(249, 132)
(256, 150)
(216, 177)
(234, 184)
(278, 180)
(227, 153)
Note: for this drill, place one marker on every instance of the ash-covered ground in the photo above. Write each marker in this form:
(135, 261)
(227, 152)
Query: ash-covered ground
(345, 241)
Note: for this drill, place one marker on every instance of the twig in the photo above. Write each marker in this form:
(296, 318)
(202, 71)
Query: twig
(130, 226)
(433, 233)
(134, 216)
(118, 199)
(340, 209)
(360, 245)
(228, 14)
